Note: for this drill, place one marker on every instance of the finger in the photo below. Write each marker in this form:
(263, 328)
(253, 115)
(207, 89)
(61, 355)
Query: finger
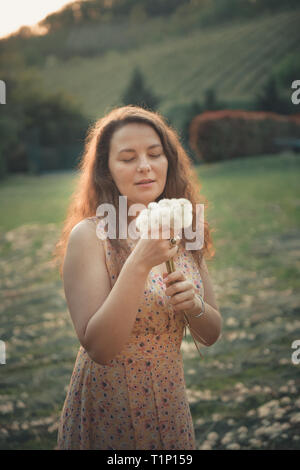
(172, 281)
(176, 287)
(182, 297)
(175, 276)
(175, 249)
(187, 305)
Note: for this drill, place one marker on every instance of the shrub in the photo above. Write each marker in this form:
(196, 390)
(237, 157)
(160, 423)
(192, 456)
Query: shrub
(227, 134)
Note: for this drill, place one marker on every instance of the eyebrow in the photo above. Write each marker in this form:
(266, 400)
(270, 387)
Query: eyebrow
(133, 150)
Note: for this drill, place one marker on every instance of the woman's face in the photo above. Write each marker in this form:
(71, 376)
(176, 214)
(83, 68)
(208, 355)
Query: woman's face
(136, 154)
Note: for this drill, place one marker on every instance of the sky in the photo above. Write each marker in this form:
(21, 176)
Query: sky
(16, 13)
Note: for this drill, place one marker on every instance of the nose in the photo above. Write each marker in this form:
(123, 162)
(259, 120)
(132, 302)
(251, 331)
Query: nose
(144, 165)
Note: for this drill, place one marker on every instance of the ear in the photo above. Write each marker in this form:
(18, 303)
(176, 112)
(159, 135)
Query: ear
(165, 275)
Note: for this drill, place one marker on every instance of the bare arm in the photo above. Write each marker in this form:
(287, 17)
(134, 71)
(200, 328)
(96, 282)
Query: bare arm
(110, 327)
(103, 317)
(208, 325)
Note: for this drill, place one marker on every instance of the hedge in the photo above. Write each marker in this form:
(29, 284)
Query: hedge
(228, 134)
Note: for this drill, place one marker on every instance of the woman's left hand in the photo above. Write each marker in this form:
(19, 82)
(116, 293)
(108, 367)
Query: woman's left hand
(182, 292)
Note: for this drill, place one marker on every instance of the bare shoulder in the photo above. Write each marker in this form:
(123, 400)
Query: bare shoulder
(84, 236)
(85, 251)
(83, 228)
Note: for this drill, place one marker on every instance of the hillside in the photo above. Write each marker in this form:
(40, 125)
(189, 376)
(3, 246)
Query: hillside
(233, 59)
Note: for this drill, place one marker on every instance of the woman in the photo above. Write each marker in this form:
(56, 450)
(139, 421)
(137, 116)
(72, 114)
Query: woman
(127, 390)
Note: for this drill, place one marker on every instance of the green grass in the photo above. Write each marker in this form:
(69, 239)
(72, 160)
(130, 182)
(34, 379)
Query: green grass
(251, 199)
(234, 59)
(31, 199)
(255, 209)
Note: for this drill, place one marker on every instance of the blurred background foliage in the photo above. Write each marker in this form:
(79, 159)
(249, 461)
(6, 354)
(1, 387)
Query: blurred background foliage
(180, 57)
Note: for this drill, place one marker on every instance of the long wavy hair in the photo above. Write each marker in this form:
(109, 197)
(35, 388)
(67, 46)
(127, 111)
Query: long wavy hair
(96, 186)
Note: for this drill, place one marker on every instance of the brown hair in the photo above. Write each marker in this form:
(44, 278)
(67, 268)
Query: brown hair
(96, 186)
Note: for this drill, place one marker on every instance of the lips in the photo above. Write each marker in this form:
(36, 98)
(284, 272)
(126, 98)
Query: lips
(145, 181)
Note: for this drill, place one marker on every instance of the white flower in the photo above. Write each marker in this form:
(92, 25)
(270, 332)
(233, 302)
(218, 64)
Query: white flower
(152, 205)
(174, 214)
(164, 202)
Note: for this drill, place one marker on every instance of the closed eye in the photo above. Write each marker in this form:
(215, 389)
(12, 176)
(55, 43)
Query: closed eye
(154, 156)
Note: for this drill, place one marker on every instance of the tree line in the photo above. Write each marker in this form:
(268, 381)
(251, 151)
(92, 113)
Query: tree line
(42, 131)
(93, 27)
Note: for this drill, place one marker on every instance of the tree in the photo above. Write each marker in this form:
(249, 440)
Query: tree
(179, 116)
(269, 99)
(210, 102)
(209, 99)
(138, 94)
(35, 122)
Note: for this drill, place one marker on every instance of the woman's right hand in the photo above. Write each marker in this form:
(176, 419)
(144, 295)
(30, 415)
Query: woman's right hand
(153, 252)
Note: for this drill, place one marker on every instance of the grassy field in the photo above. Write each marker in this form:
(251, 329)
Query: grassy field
(234, 59)
(244, 394)
(32, 199)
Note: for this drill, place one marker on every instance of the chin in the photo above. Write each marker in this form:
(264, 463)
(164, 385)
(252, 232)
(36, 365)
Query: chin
(145, 199)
